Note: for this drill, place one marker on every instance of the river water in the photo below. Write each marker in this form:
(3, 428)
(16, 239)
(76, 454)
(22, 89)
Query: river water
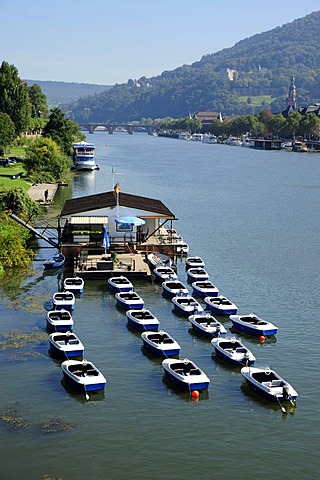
(253, 216)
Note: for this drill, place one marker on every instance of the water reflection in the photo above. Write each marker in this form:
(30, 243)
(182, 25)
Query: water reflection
(81, 396)
(274, 406)
(84, 182)
(183, 394)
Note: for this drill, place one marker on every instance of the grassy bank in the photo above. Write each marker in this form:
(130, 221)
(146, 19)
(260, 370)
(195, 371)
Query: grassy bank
(8, 172)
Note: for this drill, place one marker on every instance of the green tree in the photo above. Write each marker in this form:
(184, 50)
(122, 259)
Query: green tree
(13, 240)
(310, 125)
(7, 131)
(293, 124)
(62, 130)
(18, 202)
(14, 98)
(277, 125)
(38, 100)
(45, 162)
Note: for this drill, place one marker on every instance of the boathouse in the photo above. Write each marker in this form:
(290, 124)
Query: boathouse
(83, 220)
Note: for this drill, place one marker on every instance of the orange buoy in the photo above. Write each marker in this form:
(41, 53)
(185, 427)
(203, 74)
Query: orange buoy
(195, 394)
(262, 339)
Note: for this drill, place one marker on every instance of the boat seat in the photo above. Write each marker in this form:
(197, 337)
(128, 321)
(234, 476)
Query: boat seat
(194, 371)
(266, 384)
(92, 372)
(276, 383)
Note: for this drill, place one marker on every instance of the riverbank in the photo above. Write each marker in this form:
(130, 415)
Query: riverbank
(38, 192)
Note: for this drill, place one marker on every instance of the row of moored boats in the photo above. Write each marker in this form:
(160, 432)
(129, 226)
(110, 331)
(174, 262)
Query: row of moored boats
(185, 373)
(199, 306)
(78, 373)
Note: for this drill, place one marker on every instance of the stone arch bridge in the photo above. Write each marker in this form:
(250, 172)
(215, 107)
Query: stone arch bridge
(121, 127)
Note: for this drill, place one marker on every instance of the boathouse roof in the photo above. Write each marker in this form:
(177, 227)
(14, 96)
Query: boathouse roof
(109, 199)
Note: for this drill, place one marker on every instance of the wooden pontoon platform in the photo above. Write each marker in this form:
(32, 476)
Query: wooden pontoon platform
(104, 266)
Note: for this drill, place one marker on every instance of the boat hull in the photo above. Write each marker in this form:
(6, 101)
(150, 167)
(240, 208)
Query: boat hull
(220, 309)
(233, 351)
(58, 353)
(74, 285)
(95, 387)
(142, 321)
(164, 273)
(54, 262)
(59, 327)
(172, 289)
(127, 303)
(65, 346)
(83, 377)
(275, 390)
(162, 352)
(162, 345)
(258, 329)
(199, 289)
(186, 381)
(194, 262)
(118, 285)
(59, 321)
(185, 308)
(197, 276)
(206, 327)
(230, 360)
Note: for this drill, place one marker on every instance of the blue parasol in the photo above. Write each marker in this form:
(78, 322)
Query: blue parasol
(132, 221)
(105, 242)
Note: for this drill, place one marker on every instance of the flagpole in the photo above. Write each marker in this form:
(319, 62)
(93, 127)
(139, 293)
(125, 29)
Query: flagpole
(117, 202)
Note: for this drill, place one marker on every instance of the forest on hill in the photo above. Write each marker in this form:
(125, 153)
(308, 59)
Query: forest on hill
(252, 75)
(58, 93)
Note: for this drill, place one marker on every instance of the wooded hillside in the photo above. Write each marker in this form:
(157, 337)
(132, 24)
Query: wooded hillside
(244, 79)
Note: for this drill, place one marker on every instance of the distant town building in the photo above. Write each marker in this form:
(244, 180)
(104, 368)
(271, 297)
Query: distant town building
(228, 74)
(310, 109)
(206, 118)
(292, 96)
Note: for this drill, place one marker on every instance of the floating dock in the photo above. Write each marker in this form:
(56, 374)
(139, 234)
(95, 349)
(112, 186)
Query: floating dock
(104, 266)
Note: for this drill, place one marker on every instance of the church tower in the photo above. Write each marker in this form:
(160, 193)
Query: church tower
(292, 97)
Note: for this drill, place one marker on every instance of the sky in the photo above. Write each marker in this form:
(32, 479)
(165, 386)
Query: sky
(109, 41)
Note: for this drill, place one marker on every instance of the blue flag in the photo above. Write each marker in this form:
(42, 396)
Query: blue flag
(105, 243)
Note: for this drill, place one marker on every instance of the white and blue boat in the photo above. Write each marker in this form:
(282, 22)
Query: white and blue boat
(56, 261)
(193, 262)
(73, 284)
(64, 300)
(129, 300)
(83, 375)
(206, 325)
(164, 273)
(65, 345)
(59, 321)
(268, 384)
(232, 351)
(119, 284)
(84, 156)
(186, 305)
(160, 344)
(221, 305)
(204, 289)
(253, 325)
(197, 274)
(172, 288)
(156, 259)
(185, 374)
(142, 320)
